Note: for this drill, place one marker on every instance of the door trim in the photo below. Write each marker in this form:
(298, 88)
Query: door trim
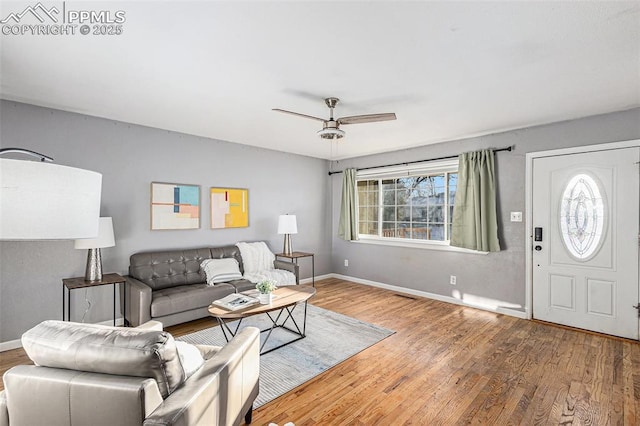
(530, 156)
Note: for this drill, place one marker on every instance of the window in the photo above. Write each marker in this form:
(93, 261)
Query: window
(411, 203)
(582, 217)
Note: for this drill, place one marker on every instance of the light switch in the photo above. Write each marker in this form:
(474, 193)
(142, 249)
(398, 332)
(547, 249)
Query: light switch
(516, 216)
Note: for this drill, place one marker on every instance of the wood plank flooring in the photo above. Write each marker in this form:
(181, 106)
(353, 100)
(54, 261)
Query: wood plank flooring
(450, 365)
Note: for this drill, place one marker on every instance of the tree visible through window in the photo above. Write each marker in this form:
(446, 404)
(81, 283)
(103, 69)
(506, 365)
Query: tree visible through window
(415, 207)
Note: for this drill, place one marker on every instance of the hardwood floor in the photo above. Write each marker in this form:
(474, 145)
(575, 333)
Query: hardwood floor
(448, 364)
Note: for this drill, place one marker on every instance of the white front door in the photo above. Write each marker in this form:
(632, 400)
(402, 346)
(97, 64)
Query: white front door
(585, 223)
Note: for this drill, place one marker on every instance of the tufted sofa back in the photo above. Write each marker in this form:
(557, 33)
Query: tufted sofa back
(170, 268)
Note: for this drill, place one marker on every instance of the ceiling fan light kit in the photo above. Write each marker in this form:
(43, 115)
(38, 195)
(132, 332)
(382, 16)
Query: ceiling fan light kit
(331, 133)
(331, 127)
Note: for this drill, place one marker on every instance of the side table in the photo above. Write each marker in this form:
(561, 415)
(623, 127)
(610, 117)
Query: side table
(79, 282)
(293, 257)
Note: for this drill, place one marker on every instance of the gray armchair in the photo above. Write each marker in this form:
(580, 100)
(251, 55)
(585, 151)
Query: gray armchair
(98, 375)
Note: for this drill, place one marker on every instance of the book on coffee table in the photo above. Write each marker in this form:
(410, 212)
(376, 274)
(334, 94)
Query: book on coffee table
(236, 301)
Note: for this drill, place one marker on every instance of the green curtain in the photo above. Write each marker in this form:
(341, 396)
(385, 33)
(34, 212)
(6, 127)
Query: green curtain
(348, 228)
(475, 223)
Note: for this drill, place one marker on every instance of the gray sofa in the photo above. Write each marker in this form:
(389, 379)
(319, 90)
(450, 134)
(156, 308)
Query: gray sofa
(169, 286)
(89, 374)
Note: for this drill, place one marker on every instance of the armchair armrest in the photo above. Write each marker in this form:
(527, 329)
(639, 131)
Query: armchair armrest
(138, 302)
(221, 392)
(288, 266)
(4, 413)
(151, 326)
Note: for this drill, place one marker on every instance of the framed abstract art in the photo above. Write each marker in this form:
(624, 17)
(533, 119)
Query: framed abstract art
(175, 206)
(229, 208)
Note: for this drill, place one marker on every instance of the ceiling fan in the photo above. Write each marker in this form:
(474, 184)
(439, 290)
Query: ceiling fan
(331, 127)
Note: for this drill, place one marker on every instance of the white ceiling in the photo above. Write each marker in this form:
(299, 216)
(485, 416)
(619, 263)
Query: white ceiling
(447, 69)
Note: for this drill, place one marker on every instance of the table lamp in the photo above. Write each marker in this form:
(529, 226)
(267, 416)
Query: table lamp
(94, 258)
(287, 225)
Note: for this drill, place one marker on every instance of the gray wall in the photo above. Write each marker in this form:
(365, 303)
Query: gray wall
(130, 157)
(499, 276)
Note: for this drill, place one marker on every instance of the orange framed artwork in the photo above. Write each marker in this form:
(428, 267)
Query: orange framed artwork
(229, 208)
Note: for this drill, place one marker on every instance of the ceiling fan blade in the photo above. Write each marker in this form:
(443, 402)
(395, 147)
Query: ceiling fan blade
(367, 118)
(298, 114)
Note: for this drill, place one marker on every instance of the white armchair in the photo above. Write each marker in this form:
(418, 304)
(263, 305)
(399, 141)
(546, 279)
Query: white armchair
(98, 375)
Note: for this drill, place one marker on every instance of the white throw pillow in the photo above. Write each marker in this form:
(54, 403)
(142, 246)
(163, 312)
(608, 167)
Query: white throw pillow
(190, 358)
(221, 270)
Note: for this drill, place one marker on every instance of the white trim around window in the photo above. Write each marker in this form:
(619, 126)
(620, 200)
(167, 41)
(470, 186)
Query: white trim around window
(405, 242)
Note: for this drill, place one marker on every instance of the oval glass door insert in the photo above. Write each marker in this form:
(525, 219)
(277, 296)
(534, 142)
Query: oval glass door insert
(582, 217)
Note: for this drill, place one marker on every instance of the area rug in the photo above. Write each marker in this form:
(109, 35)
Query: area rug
(331, 339)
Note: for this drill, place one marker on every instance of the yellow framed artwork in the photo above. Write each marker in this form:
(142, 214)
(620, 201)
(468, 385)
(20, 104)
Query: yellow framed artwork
(229, 208)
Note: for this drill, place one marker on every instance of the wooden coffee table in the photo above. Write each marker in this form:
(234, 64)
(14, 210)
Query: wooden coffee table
(285, 301)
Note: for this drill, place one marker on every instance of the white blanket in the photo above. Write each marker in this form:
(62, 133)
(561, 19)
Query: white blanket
(256, 257)
(280, 276)
(257, 261)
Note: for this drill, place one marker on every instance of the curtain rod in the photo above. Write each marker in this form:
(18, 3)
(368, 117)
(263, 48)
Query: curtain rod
(509, 148)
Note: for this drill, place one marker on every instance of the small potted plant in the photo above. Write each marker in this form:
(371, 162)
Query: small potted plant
(265, 289)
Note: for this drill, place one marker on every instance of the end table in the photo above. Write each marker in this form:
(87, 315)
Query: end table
(79, 282)
(293, 257)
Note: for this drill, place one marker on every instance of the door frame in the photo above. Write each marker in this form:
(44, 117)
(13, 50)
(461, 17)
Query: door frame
(530, 156)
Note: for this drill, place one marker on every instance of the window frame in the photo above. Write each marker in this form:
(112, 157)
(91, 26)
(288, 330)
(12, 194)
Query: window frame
(445, 167)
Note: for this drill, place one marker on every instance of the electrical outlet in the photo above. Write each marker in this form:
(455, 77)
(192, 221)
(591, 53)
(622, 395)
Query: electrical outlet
(346, 262)
(516, 216)
(452, 280)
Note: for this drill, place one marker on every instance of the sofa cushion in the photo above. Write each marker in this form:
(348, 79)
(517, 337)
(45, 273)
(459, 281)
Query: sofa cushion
(221, 270)
(109, 350)
(170, 268)
(186, 298)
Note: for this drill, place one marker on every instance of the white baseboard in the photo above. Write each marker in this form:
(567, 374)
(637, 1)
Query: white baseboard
(318, 278)
(448, 299)
(15, 344)
(11, 344)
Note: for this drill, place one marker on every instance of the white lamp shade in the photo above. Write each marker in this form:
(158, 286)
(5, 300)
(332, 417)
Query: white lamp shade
(44, 201)
(287, 224)
(105, 236)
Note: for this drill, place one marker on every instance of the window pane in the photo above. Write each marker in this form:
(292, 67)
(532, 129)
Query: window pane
(453, 185)
(420, 232)
(420, 214)
(437, 232)
(389, 214)
(368, 213)
(436, 214)
(388, 184)
(402, 197)
(388, 229)
(389, 197)
(404, 213)
(403, 230)
(369, 228)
